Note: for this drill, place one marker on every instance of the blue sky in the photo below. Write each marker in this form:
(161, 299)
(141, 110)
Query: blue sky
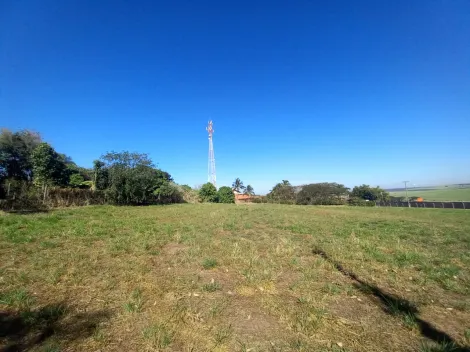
(348, 91)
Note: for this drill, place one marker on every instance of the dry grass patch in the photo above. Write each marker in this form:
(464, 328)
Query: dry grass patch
(235, 278)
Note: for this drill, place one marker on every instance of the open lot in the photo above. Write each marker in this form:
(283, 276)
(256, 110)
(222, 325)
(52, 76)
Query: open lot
(214, 277)
(442, 194)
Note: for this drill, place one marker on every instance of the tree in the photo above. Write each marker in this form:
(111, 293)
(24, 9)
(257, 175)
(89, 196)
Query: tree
(49, 168)
(369, 193)
(76, 180)
(323, 193)
(237, 185)
(131, 178)
(15, 154)
(225, 195)
(100, 175)
(167, 193)
(249, 190)
(282, 193)
(208, 193)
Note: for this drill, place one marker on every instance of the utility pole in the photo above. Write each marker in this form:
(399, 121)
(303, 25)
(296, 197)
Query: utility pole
(406, 191)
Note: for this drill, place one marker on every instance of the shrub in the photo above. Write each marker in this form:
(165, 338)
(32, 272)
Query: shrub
(260, 199)
(282, 193)
(76, 180)
(208, 193)
(370, 193)
(225, 195)
(167, 193)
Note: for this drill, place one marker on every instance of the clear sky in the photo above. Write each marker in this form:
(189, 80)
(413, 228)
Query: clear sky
(348, 91)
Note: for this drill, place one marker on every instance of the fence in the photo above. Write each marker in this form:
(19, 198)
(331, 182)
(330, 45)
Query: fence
(447, 205)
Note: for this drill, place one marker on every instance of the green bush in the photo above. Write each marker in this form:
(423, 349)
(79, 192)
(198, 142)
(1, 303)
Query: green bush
(260, 199)
(208, 193)
(225, 195)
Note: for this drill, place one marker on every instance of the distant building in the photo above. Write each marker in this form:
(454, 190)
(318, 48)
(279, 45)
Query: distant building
(243, 198)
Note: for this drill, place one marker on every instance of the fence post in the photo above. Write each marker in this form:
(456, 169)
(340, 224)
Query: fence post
(463, 203)
(453, 205)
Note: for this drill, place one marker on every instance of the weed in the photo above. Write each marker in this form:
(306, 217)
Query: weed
(332, 289)
(441, 347)
(222, 335)
(467, 335)
(16, 298)
(217, 309)
(159, 335)
(98, 335)
(212, 287)
(409, 320)
(209, 263)
(134, 305)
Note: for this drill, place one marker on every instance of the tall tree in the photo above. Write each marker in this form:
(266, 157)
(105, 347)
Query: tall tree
(237, 185)
(131, 178)
(100, 175)
(282, 193)
(208, 193)
(48, 167)
(323, 193)
(249, 190)
(370, 193)
(15, 154)
(225, 195)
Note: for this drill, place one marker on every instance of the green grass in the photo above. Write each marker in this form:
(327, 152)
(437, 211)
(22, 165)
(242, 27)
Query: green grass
(209, 263)
(441, 194)
(208, 277)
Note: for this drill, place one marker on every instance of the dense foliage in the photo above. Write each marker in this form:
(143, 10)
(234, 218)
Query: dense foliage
(283, 193)
(323, 194)
(370, 193)
(225, 195)
(208, 193)
(131, 178)
(31, 171)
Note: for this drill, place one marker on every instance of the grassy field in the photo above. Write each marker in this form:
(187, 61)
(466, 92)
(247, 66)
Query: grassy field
(235, 278)
(438, 194)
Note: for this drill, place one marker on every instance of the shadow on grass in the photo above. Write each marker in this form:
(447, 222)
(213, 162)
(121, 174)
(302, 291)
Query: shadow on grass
(394, 305)
(27, 329)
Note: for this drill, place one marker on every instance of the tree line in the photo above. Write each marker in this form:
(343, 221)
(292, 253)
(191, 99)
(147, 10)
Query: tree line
(325, 193)
(33, 172)
(31, 169)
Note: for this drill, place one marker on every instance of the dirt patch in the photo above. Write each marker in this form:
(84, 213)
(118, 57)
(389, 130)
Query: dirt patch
(250, 323)
(227, 279)
(174, 248)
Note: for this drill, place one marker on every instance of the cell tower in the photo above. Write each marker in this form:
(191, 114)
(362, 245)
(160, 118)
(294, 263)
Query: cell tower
(211, 163)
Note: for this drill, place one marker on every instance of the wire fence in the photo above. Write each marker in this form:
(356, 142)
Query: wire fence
(447, 205)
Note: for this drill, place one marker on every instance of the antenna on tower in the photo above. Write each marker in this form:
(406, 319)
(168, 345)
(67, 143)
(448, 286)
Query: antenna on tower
(211, 162)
